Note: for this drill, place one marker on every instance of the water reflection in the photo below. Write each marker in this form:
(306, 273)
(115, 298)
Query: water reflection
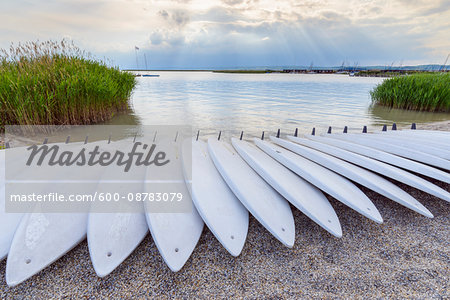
(124, 118)
(381, 115)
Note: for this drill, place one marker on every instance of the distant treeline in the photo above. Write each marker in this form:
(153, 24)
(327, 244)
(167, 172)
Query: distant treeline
(361, 73)
(390, 73)
(245, 71)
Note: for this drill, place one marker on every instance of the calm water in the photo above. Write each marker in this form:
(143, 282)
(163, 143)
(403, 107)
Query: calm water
(256, 102)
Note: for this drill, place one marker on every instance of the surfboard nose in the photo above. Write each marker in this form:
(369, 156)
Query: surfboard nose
(333, 226)
(286, 233)
(421, 209)
(236, 248)
(16, 275)
(373, 214)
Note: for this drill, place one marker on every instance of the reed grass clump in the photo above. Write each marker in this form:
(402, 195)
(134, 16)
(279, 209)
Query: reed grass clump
(423, 92)
(43, 83)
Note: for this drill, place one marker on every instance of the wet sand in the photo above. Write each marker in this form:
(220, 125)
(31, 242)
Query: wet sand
(406, 256)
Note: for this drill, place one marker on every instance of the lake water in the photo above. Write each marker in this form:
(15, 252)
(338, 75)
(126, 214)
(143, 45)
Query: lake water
(211, 102)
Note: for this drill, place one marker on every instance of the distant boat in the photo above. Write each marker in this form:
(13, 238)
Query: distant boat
(150, 75)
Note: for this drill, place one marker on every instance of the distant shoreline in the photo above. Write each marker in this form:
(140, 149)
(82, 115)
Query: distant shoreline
(280, 68)
(332, 71)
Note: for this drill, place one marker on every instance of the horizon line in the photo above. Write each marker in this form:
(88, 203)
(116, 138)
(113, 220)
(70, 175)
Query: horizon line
(421, 67)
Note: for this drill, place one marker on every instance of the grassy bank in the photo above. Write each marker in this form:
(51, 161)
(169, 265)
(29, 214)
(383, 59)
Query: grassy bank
(57, 83)
(424, 92)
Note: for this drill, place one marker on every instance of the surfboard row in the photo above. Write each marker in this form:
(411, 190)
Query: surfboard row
(229, 180)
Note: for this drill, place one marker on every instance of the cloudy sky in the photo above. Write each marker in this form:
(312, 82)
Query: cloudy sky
(238, 33)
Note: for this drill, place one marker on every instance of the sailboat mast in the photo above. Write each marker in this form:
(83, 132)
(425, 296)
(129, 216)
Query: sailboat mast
(145, 58)
(136, 48)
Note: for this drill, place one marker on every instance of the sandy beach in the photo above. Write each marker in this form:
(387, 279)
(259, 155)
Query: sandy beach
(406, 256)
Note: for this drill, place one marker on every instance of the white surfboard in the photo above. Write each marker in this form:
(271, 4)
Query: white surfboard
(440, 137)
(328, 181)
(260, 199)
(112, 237)
(355, 173)
(364, 139)
(439, 144)
(432, 132)
(42, 238)
(382, 156)
(381, 168)
(428, 148)
(425, 138)
(222, 212)
(175, 234)
(8, 221)
(304, 196)
(421, 132)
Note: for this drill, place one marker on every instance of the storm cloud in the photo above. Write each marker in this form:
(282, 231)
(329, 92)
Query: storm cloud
(239, 33)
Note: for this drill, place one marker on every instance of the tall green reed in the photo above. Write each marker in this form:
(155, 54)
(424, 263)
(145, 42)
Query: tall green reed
(57, 83)
(424, 92)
